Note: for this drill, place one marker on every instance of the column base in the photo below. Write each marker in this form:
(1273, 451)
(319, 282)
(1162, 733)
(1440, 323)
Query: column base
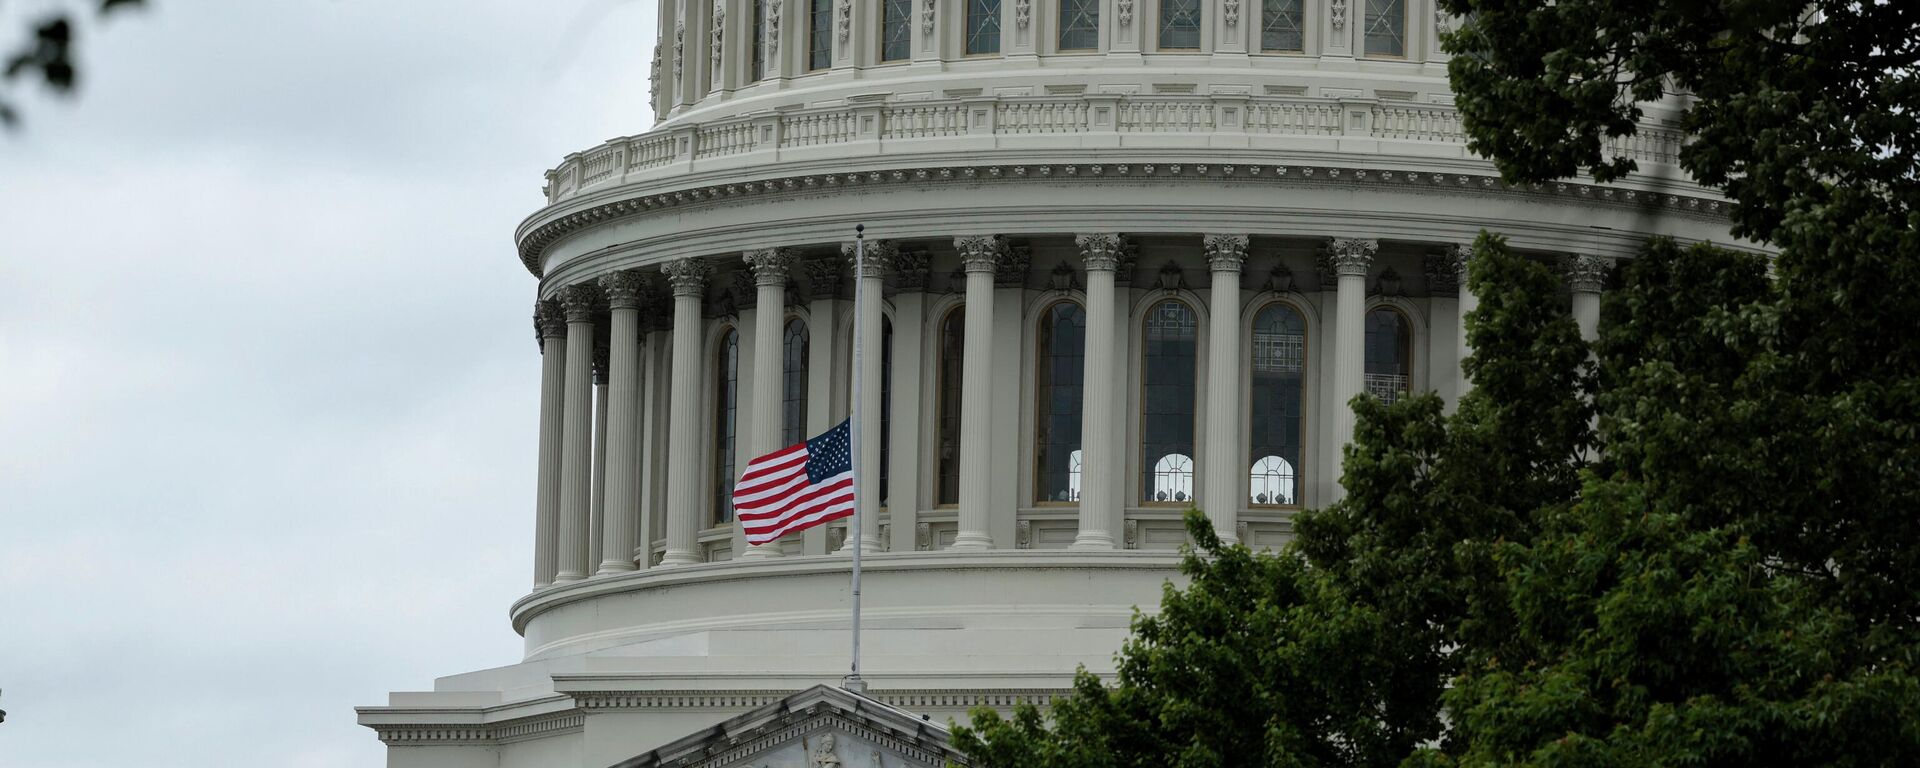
(762, 552)
(1092, 540)
(611, 567)
(568, 576)
(675, 557)
(971, 541)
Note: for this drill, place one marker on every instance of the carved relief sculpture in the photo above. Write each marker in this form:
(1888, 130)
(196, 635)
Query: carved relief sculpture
(1339, 15)
(843, 20)
(1022, 13)
(679, 49)
(1126, 13)
(719, 37)
(1232, 13)
(926, 17)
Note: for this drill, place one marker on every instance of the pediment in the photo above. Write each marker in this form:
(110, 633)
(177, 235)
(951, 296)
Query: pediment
(821, 727)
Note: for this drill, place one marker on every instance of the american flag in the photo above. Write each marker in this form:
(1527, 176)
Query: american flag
(797, 487)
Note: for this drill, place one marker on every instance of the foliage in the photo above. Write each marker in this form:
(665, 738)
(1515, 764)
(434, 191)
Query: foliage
(49, 52)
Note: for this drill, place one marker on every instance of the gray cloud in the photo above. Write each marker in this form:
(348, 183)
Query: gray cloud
(267, 382)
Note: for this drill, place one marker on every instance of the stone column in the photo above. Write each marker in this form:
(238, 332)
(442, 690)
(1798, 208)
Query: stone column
(1468, 303)
(1351, 257)
(552, 324)
(869, 278)
(688, 278)
(597, 512)
(823, 287)
(576, 447)
(1443, 337)
(1586, 275)
(621, 520)
(979, 255)
(1100, 436)
(770, 267)
(1223, 474)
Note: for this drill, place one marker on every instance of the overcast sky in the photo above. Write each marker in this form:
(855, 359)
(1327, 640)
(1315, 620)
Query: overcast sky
(268, 385)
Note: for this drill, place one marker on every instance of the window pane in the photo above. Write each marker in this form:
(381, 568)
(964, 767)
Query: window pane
(1058, 374)
(896, 30)
(947, 437)
(793, 404)
(1180, 24)
(1275, 404)
(983, 26)
(1168, 368)
(1389, 354)
(886, 401)
(1280, 26)
(725, 401)
(820, 35)
(1386, 28)
(1079, 25)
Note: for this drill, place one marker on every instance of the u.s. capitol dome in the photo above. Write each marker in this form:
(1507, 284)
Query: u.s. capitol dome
(1124, 257)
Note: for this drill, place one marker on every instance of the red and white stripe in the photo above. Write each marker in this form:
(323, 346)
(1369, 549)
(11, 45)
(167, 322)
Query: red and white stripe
(774, 498)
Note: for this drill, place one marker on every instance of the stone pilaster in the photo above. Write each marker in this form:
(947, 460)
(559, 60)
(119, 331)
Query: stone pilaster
(869, 275)
(621, 520)
(1100, 441)
(980, 257)
(1223, 474)
(552, 324)
(1350, 259)
(1443, 337)
(688, 280)
(580, 302)
(1459, 255)
(770, 268)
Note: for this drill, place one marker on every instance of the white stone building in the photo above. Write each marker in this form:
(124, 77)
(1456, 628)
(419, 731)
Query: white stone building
(1130, 255)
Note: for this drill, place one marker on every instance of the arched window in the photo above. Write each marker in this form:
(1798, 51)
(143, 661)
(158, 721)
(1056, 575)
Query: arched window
(1386, 30)
(1173, 479)
(793, 383)
(1274, 482)
(886, 403)
(1060, 368)
(1169, 365)
(896, 30)
(1276, 402)
(952, 341)
(1179, 24)
(819, 34)
(1280, 28)
(726, 401)
(1079, 25)
(983, 26)
(1389, 354)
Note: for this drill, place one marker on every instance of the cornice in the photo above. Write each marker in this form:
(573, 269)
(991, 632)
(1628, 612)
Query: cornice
(531, 605)
(641, 200)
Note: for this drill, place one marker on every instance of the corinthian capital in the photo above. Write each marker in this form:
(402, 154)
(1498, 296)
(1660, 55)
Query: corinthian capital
(551, 319)
(770, 265)
(1100, 251)
(875, 262)
(688, 276)
(1351, 255)
(623, 289)
(1587, 274)
(979, 253)
(580, 301)
(1226, 253)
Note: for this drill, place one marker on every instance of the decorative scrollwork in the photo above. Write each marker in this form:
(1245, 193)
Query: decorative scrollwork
(1338, 13)
(1232, 8)
(1022, 13)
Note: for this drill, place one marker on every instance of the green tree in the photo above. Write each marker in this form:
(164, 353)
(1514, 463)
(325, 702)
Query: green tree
(1336, 651)
(1732, 582)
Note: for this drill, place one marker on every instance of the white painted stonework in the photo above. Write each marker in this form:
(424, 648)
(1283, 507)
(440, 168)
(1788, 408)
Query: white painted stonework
(996, 187)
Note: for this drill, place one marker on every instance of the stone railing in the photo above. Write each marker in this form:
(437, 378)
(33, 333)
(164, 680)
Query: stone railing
(858, 129)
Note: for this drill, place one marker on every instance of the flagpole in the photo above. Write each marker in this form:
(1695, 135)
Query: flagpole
(853, 682)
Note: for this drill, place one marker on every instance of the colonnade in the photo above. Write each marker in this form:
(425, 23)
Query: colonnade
(593, 447)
